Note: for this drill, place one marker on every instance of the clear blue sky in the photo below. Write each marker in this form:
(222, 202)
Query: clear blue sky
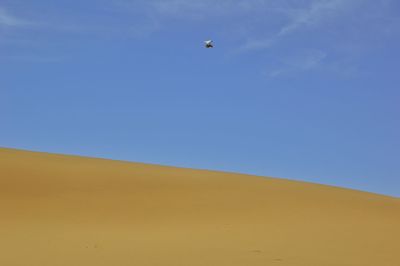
(306, 90)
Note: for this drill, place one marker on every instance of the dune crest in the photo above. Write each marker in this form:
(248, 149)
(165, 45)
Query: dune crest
(69, 210)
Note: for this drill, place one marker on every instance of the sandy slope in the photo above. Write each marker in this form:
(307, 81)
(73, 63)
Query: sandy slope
(60, 210)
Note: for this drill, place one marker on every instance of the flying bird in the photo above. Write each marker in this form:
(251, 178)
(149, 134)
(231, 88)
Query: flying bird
(209, 44)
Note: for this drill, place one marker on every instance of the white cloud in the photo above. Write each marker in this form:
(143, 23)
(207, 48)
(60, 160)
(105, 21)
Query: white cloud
(313, 15)
(311, 60)
(317, 12)
(279, 28)
(256, 45)
(33, 58)
(194, 10)
(255, 14)
(153, 15)
(205, 8)
(7, 20)
(282, 29)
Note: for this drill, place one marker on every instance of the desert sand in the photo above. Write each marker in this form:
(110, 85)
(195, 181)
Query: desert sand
(59, 210)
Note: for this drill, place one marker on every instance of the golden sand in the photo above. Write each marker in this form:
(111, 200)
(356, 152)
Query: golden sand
(58, 210)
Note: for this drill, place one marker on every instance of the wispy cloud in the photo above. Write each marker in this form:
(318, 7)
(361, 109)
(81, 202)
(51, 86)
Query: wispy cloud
(8, 20)
(284, 31)
(274, 28)
(256, 44)
(204, 9)
(34, 58)
(315, 14)
(189, 11)
(308, 61)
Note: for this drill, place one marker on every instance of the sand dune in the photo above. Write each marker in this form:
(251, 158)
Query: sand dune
(58, 210)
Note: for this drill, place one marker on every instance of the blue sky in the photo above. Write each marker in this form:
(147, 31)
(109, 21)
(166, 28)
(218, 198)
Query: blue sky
(306, 90)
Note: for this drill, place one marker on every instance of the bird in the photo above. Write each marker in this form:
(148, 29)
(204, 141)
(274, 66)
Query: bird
(209, 44)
